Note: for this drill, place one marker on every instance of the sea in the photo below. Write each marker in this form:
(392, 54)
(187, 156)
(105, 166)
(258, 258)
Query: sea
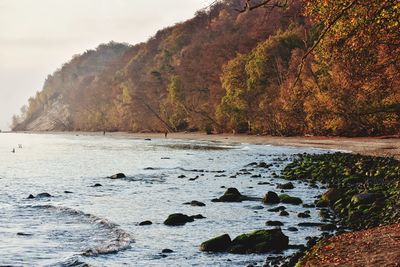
(92, 220)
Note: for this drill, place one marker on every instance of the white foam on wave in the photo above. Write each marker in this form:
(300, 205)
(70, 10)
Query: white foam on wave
(121, 239)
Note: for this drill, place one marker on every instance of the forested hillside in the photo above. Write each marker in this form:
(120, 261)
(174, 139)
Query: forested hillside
(266, 67)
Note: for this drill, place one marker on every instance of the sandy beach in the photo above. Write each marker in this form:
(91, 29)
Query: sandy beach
(376, 146)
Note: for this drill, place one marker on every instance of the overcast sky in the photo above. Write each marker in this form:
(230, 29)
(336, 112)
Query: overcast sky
(38, 36)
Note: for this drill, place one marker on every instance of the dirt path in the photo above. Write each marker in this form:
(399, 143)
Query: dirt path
(373, 247)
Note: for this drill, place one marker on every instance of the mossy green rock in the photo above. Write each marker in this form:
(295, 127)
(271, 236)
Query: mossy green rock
(261, 241)
(331, 196)
(365, 198)
(218, 244)
(284, 198)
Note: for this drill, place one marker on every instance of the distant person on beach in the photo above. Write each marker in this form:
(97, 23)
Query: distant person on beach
(165, 134)
(13, 150)
(19, 145)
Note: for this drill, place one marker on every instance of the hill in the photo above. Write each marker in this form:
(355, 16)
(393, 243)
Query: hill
(227, 70)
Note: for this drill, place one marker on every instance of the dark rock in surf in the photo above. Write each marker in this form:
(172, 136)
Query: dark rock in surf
(288, 185)
(177, 219)
(273, 223)
(117, 176)
(284, 213)
(197, 216)
(23, 234)
(195, 203)
(232, 195)
(303, 215)
(145, 223)
(167, 250)
(43, 195)
(30, 196)
(277, 209)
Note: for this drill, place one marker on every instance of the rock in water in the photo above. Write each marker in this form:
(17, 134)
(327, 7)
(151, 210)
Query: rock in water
(290, 200)
(231, 195)
(274, 223)
(145, 223)
(195, 203)
(41, 195)
(288, 185)
(261, 241)
(271, 198)
(217, 244)
(178, 219)
(117, 176)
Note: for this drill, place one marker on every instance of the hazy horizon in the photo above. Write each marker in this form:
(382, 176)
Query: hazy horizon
(37, 37)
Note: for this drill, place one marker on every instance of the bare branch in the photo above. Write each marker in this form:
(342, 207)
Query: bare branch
(267, 4)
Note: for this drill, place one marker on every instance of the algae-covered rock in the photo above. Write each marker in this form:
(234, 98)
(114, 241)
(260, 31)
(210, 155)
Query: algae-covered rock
(178, 219)
(284, 198)
(365, 198)
(271, 198)
(218, 244)
(261, 241)
(331, 196)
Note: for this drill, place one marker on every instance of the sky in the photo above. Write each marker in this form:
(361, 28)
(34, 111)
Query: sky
(38, 36)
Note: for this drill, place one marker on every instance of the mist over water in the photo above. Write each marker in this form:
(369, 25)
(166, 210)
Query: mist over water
(81, 223)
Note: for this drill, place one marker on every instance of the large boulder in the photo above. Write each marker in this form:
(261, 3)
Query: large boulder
(217, 244)
(260, 241)
(290, 200)
(271, 198)
(178, 219)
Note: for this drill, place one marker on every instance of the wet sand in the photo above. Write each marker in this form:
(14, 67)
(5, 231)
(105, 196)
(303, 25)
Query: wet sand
(376, 146)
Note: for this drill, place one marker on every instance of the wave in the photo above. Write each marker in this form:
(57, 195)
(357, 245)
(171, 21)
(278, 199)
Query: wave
(121, 239)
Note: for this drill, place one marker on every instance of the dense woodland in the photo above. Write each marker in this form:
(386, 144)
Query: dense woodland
(300, 67)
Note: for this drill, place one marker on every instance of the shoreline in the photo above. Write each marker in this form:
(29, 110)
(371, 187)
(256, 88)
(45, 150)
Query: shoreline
(371, 146)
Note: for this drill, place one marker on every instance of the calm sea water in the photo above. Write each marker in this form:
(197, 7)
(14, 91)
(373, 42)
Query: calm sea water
(99, 225)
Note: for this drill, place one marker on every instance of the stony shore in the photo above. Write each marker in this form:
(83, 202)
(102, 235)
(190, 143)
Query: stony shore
(322, 254)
